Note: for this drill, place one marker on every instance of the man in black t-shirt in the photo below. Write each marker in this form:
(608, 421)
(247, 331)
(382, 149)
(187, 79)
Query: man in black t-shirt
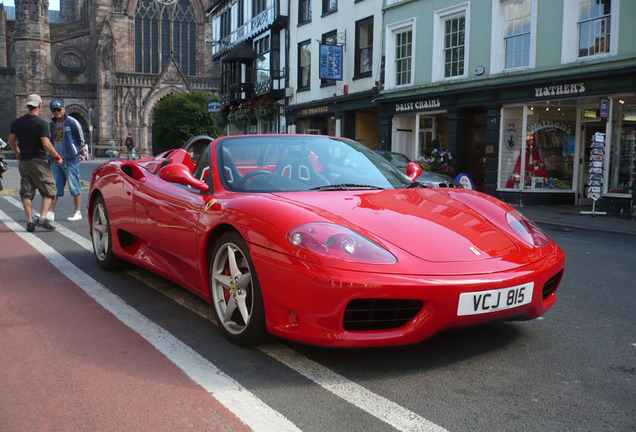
(33, 144)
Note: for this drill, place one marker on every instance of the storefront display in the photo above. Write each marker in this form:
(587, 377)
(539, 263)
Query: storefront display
(539, 156)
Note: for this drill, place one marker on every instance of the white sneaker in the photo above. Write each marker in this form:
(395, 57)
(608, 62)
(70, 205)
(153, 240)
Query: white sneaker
(49, 215)
(76, 216)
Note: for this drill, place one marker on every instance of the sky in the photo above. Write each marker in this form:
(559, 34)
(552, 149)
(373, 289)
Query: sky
(53, 4)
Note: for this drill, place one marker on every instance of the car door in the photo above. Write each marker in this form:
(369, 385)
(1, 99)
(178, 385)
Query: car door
(166, 218)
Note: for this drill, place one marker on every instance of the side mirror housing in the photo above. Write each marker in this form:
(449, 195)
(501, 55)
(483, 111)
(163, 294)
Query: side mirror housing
(177, 173)
(413, 170)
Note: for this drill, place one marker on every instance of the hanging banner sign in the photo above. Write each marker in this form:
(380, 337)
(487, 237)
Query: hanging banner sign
(331, 62)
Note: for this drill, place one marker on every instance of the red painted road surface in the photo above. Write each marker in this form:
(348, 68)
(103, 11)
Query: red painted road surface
(67, 364)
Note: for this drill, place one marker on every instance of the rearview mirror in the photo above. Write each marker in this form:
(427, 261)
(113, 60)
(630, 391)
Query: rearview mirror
(177, 173)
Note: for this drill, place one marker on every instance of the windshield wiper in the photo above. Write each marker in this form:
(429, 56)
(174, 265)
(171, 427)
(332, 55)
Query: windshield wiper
(415, 184)
(346, 186)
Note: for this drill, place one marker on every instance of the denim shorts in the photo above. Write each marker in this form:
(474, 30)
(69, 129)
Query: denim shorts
(64, 173)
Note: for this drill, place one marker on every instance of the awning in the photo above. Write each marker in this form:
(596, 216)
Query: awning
(242, 51)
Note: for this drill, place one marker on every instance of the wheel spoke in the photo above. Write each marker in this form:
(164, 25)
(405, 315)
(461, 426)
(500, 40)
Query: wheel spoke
(240, 300)
(229, 311)
(225, 281)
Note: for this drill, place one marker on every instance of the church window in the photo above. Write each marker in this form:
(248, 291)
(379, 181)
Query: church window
(162, 31)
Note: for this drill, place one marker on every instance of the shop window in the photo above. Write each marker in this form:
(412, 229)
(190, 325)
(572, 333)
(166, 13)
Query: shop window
(364, 47)
(589, 29)
(304, 65)
(399, 58)
(537, 152)
(450, 43)
(622, 157)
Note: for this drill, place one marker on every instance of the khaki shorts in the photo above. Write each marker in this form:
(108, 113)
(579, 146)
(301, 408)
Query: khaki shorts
(36, 175)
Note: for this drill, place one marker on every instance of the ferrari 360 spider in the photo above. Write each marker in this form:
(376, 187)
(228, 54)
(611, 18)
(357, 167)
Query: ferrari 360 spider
(320, 240)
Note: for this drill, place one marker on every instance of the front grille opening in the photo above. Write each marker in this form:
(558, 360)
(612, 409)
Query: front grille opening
(551, 285)
(379, 314)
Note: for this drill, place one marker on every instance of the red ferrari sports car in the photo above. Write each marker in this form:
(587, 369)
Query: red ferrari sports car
(320, 240)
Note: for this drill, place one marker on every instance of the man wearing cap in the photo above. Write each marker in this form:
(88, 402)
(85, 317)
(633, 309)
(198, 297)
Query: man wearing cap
(33, 144)
(68, 139)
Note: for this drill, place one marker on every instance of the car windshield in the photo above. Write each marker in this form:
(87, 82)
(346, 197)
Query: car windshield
(268, 163)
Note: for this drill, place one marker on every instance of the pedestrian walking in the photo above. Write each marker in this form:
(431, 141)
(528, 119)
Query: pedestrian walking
(68, 139)
(130, 146)
(3, 165)
(33, 143)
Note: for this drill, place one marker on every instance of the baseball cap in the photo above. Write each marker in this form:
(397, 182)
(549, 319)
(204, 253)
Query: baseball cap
(56, 103)
(34, 100)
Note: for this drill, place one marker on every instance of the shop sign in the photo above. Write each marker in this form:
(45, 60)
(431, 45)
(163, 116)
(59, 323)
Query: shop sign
(559, 90)
(604, 105)
(418, 105)
(331, 62)
(549, 124)
(315, 111)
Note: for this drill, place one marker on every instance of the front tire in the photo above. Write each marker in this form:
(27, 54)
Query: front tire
(102, 237)
(236, 292)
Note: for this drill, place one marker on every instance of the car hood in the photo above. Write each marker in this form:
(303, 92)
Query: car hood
(423, 222)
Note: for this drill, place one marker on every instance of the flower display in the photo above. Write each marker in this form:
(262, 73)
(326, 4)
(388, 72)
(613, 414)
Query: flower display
(436, 159)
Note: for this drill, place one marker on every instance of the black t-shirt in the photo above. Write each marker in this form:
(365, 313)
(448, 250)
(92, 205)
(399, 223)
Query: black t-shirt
(29, 129)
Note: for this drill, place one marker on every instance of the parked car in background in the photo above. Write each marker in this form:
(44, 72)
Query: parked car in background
(427, 178)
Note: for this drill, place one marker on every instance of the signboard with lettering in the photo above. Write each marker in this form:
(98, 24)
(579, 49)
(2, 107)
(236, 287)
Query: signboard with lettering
(214, 107)
(330, 62)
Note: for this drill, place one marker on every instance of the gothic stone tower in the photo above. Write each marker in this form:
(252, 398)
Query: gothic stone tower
(32, 51)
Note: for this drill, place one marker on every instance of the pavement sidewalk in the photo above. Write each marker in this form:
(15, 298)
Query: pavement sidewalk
(568, 217)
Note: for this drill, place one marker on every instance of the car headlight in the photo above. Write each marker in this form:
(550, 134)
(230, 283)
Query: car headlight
(526, 229)
(339, 242)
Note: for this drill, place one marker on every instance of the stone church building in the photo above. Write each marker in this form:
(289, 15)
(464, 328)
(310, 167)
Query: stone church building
(111, 61)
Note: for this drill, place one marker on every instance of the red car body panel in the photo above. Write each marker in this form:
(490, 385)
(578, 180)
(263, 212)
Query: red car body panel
(446, 242)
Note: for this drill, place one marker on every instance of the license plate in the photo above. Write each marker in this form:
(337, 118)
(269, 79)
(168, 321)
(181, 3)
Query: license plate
(481, 302)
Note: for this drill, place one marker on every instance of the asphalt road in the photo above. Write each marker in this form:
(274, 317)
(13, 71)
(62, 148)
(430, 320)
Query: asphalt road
(571, 370)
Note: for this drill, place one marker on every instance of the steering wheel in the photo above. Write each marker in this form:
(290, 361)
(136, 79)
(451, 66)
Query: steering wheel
(252, 174)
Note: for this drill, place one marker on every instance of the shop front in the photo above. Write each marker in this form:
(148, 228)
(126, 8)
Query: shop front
(570, 142)
(354, 116)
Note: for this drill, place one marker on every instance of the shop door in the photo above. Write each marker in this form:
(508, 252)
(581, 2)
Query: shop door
(589, 129)
(477, 150)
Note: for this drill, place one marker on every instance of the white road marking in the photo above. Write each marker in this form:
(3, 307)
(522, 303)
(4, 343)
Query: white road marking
(236, 401)
(247, 407)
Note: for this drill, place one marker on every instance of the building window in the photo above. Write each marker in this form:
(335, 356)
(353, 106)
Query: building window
(304, 11)
(258, 6)
(240, 13)
(399, 53)
(162, 31)
(226, 23)
(517, 25)
(364, 47)
(304, 65)
(454, 39)
(263, 67)
(587, 29)
(329, 6)
(594, 24)
(330, 38)
(403, 57)
(450, 42)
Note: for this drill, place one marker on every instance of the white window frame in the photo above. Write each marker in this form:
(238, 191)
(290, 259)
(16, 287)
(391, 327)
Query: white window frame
(497, 41)
(391, 33)
(439, 61)
(570, 38)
